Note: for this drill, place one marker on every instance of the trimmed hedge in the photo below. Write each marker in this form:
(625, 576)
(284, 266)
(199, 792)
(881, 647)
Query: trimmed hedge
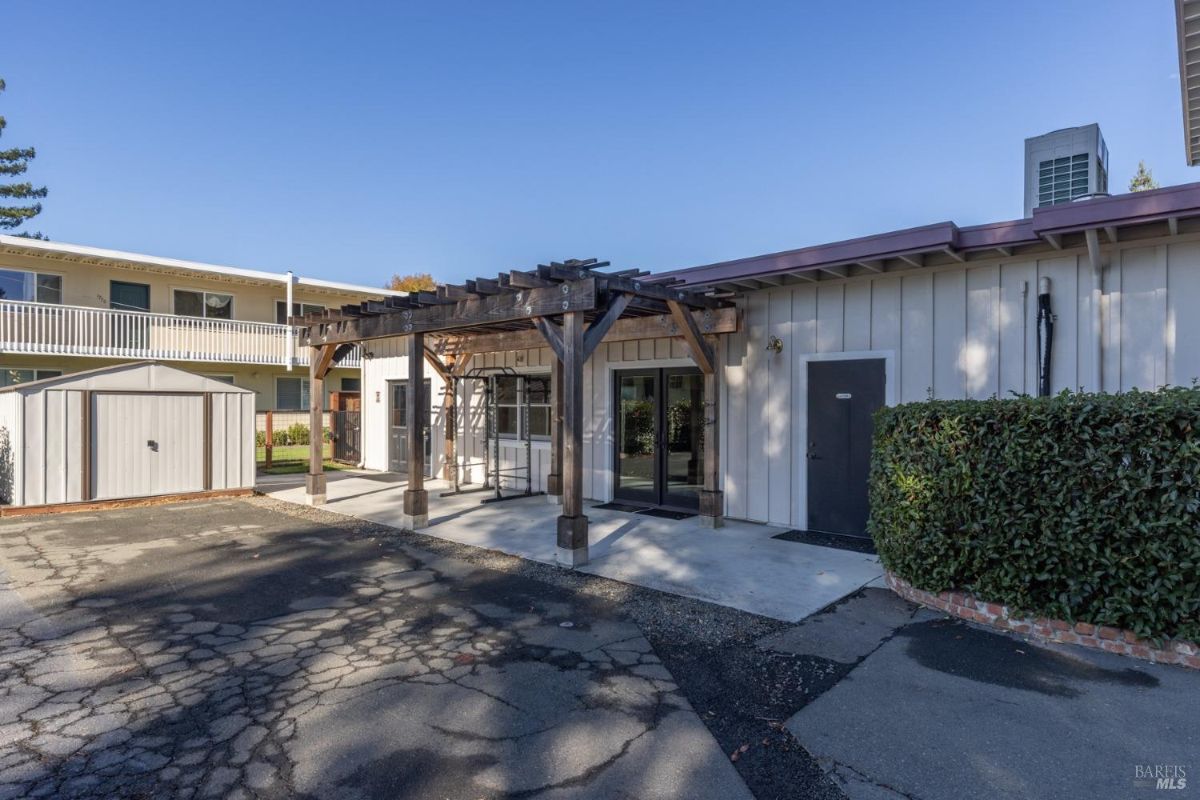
(1081, 507)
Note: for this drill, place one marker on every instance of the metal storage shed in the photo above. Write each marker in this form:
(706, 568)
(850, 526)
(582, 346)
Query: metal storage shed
(132, 430)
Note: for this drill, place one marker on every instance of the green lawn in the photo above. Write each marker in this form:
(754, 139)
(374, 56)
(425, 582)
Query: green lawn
(296, 467)
(294, 452)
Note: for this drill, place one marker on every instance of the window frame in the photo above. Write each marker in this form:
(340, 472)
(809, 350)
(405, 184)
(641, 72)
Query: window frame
(305, 390)
(203, 303)
(38, 374)
(280, 301)
(37, 277)
(523, 404)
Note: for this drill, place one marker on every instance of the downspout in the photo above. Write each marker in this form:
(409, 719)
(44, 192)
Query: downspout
(1093, 246)
(291, 332)
(1045, 336)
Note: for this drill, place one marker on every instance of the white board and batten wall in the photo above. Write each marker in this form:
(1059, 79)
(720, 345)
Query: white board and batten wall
(959, 331)
(144, 426)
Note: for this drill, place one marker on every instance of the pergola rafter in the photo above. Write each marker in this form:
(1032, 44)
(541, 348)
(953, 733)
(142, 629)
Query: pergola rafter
(569, 306)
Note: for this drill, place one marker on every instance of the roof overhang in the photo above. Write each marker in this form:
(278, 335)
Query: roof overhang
(19, 245)
(1187, 27)
(1140, 215)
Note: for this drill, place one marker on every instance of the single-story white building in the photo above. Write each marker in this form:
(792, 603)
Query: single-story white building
(1090, 295)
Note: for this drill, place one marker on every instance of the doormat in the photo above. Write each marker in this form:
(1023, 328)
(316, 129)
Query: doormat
(665, 514)
(855, 544)
(621, 507)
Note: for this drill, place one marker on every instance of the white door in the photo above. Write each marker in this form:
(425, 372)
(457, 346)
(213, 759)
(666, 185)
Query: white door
(146, 444)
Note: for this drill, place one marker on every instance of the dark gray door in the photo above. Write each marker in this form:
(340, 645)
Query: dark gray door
(398, 428)
(842, 396)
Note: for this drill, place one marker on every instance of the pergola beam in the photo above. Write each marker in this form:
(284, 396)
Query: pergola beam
(477, 311)
(596, 331)
(725, 320)
(701, 353)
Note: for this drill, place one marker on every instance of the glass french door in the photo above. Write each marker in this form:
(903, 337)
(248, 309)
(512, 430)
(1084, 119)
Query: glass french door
(398, 428)
(659, 457)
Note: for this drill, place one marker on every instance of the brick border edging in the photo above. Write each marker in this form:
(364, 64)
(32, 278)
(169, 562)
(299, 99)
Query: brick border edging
(1055, 631)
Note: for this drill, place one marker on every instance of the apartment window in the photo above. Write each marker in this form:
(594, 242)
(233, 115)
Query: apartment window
(351, 384)
(1061, 180)
(195, 303)
(32, 287)
(291, 394)
(11, 377)
(222, 378)
(298, 310)
(514, 394)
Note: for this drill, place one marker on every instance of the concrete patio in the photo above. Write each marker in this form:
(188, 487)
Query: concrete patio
(739, 565)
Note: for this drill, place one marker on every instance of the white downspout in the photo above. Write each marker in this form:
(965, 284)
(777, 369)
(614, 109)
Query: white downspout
(1093, 246)
(291, 332)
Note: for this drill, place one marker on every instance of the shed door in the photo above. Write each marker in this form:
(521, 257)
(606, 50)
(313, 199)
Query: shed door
(146, 444)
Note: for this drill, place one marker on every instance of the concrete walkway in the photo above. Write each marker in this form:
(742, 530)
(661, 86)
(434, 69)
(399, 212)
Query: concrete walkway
(740, 565)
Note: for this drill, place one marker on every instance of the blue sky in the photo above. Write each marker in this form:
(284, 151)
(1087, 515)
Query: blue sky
(353, 140)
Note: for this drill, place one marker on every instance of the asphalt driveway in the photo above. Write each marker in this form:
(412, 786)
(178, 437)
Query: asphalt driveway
(225, 649)
(253, 648)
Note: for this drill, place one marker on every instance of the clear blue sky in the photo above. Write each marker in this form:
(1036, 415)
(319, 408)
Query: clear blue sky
(353, 140)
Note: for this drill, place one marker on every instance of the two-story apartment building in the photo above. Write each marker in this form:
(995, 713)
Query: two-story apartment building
(65, 308)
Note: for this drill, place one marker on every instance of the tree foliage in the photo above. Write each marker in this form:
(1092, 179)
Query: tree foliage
(417, 282)
(1143, 179)
(15, 161)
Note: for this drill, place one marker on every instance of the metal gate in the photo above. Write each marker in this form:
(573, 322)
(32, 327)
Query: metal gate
(347, 436)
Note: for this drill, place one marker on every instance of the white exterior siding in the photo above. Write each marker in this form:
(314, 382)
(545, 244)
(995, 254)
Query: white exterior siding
(11, 447)
(958, 331)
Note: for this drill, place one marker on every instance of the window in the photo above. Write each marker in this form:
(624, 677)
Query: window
(351, 384)
(291, 394)
(298, 310)
(514, 394)
(222, 378)
(11, 377)
(1061, 180)
(17, 284)
(194, 303)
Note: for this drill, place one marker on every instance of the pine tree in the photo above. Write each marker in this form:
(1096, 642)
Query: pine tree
(1143, 180)
(14, 161)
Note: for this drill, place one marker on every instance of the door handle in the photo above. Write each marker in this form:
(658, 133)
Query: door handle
(812, 452)
(153, 445)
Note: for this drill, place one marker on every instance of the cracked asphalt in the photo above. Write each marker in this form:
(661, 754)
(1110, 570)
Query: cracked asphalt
(229, 649)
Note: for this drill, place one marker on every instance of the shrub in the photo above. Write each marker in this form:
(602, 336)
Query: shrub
(1081, 507)
(297, 433)
(260, 439)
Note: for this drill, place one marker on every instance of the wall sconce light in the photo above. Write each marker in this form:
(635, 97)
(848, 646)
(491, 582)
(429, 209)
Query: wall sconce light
(367, 354)
(774, 345)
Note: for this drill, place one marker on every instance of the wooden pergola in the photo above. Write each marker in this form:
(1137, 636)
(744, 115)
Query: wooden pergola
(570, 307)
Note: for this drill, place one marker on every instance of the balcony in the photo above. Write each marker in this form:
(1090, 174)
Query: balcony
(48, 329)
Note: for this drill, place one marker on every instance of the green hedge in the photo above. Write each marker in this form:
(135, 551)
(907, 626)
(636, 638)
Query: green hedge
(1081, 507)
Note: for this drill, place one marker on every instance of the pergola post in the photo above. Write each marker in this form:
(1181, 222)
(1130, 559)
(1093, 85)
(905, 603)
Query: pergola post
(554, 479)
(712, 499)
(320, 359)
(572, 524)
(449, 420)
(416, 498)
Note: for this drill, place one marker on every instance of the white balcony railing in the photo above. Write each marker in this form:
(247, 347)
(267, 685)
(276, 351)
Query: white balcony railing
(46, 328)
